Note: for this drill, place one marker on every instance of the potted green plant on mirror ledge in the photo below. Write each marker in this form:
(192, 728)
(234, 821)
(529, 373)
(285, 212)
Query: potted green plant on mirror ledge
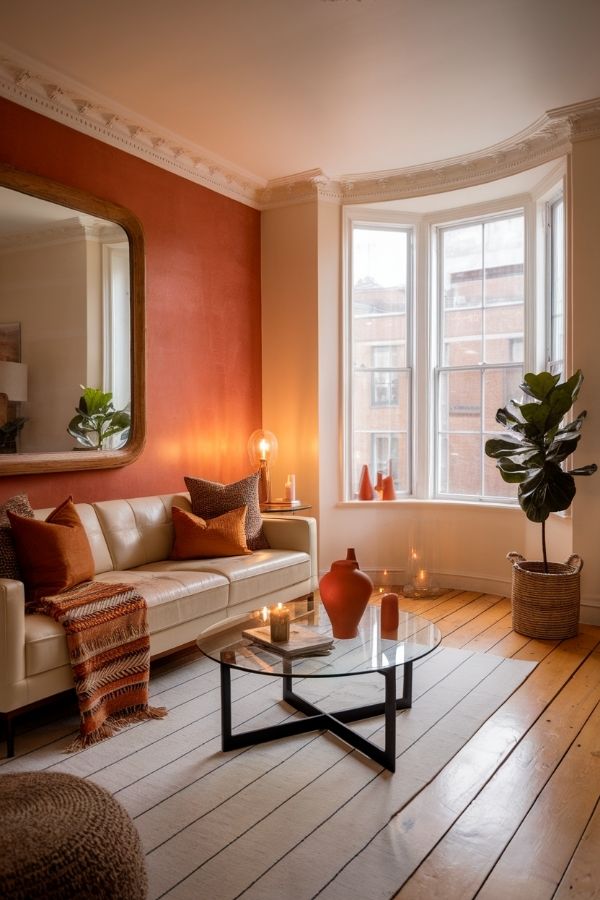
(545, 595)
(97, 421)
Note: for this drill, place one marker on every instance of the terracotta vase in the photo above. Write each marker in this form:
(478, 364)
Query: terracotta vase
(390, 616)
(365, 486)
(389, 491)
(345, 592)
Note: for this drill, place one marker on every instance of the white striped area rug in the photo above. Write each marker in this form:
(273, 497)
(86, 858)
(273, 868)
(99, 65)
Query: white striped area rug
(297, 818)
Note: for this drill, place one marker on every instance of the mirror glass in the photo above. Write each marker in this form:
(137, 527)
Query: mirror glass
(71, 316)
(64, 316)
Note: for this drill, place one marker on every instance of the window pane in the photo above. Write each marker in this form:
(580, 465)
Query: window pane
(379, 430)
(460, 401)
(557, 284)
(461, 266)
(380, 355)
(481, 333)
(462, 337)
(504, 327)
(459, 464)
(499, 386)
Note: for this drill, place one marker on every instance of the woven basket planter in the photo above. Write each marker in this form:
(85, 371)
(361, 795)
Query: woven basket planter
(545, 605)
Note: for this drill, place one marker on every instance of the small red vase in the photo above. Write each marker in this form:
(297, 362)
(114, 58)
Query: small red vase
(390, 616)
(365, 485)
(345, 592)
(389, 491)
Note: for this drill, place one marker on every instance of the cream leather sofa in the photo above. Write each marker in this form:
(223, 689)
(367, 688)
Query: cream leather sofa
(131, 541)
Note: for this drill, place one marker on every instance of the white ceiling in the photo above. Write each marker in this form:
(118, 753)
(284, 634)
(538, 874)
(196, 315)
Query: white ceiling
(276, 87)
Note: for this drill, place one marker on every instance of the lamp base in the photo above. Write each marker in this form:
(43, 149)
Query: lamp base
(264, 483)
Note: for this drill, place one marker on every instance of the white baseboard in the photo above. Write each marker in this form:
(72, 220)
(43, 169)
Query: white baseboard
(486, 584)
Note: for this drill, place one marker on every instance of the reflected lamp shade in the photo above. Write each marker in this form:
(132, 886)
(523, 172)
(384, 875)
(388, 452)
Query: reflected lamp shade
(13, 381)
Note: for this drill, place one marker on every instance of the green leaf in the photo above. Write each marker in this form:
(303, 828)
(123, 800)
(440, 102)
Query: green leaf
(536, 414)
(512, 472)
(539, 386)
(560, 450)
(584, 470)
(508, 445)
(551, 490)
(506, 418)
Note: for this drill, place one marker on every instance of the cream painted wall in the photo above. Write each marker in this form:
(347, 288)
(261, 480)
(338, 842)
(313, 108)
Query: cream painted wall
(585, 290)
(42, 287)
(464, 545)
(289, 345)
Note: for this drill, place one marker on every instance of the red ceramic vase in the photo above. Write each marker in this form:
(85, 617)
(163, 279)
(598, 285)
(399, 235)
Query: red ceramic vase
(365, 485)
(390, 616)
(345, 592)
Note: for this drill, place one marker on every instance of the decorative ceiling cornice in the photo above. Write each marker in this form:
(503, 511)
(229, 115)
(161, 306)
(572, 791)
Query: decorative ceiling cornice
(43, 90)
(64, 231)
(547, 139)
(33, 85)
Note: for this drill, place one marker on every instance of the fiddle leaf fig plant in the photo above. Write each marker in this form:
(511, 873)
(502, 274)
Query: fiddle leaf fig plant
(97, 420)
(535, 444)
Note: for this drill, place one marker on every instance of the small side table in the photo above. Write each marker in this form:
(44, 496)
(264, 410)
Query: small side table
(284, 509)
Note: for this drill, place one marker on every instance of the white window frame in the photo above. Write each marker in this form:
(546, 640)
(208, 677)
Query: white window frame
(423, 318)
(371, 219)
(438, 304)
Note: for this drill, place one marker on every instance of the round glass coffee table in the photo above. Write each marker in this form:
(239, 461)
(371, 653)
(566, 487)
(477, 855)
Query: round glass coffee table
(229, 644)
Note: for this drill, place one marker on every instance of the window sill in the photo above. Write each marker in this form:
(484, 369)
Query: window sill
(433, 502)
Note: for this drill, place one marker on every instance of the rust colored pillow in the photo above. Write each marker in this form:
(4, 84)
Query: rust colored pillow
(53, 555)
(197, 538)
(210, 499)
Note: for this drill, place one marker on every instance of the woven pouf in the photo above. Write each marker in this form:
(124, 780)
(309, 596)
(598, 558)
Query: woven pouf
(62, 837)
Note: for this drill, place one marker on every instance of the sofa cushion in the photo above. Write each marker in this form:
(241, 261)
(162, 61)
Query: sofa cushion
(54, 555)
(89, 519)
(250, 577)
(172, 598)
(9, 564)
(139, 531)
(210, 499)
(197, 538)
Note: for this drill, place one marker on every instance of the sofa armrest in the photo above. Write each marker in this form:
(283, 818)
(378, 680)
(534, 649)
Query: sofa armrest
(12, 632)
(294, 533)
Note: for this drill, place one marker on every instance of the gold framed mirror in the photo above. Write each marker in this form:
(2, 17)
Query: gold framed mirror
(72, 313)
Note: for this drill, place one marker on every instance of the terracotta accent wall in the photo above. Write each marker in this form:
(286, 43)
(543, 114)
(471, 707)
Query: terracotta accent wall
(203, 344)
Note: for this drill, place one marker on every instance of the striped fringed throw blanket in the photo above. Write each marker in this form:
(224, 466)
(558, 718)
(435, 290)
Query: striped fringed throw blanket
(109, 645)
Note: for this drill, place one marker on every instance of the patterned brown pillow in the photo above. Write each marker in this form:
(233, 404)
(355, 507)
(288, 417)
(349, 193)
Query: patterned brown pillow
(9, 564)
(211, 499)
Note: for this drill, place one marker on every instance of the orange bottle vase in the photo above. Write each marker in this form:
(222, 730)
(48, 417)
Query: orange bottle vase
(345, 592)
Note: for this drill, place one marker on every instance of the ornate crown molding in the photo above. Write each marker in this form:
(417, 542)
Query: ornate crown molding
(547, 139)
(65, 231)
(37, 87)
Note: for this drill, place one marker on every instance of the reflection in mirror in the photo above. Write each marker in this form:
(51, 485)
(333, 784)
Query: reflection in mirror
(71, 315)
(64, 315)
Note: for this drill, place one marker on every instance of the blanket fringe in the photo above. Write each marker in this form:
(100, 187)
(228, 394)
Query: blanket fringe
(113, 724)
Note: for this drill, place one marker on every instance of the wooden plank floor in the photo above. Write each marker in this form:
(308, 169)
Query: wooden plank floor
(516, 813)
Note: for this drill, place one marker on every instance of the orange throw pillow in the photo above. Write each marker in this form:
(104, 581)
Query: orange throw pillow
(53, 555)
(196, 538)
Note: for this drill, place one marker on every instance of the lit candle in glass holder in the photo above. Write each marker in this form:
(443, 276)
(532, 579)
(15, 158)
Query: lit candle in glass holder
(422, 579)
(264, 615)
(279, 620)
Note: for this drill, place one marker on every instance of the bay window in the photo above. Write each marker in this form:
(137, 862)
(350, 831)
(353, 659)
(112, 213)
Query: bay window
(429, 359)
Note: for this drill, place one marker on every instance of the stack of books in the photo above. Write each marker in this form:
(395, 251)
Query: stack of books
(303, 641)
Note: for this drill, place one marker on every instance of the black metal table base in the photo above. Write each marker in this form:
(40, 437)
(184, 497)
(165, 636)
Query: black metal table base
(318, 720)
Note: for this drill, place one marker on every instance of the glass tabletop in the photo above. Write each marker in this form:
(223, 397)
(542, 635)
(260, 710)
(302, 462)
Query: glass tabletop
(370, 651)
